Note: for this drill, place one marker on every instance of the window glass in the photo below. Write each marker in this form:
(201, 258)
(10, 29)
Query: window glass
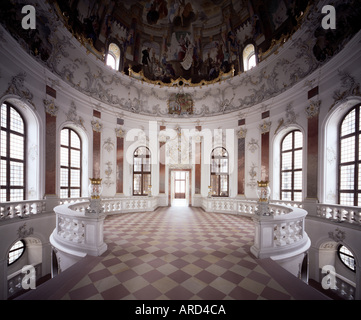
(291, 166)
(347, 257)
(349, 158)
(70, 164)
(141, 171)
(219, 172)
(16, 252)
(12, 167)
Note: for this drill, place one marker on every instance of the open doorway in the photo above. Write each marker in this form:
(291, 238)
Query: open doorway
(180, 188)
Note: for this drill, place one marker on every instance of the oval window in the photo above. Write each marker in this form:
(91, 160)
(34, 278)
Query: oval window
(16, 252)
(347, 257)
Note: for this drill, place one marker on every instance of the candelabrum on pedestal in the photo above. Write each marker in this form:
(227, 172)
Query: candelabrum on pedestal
(209, 192)
(263, 194)
(150, 190)
(95, 191)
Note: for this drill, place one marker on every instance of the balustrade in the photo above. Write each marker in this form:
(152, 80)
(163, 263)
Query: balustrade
(22, 209)
(339, 213)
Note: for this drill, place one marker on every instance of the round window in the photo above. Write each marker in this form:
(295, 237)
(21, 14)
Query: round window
(347, 257)
(16, 252)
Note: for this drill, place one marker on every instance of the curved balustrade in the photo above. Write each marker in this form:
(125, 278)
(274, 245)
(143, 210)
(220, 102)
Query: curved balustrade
(77, 232)
(280, 235)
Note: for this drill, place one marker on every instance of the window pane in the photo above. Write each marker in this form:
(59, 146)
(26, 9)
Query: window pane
(64, 137)
(3, 142)
(16, 174)
(347, 177)
(75, 178)
(297, 196)
(215, 185)
(75, 141)
(146, 183)
(286, 180)
(75, 158)
(348, 125)
(298, 139)
(286, 196)
(16, 147)
(297, 180)
(287, 161)
(223, 165)
(74, 193)
(137, 164)
(146, 164)
(3, 115)
(224, 185)
(252, 61)
(2, 195)
(346, 199)
(111, 61)
(3, 173)
(287, 142)
(16, 194)
(15, 252)
(64, 177)
(64, 156)
(16, 122)
(63, 193)
(214, 166)
(298, 159)
(348, 149)
(137, 183)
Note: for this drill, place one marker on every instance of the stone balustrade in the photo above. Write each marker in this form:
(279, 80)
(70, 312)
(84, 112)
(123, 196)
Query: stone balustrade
(339, 213)
(77, 232)
(21, 209)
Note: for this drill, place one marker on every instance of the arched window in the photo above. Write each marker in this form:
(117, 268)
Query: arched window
(219, 172)
(113, 56)
(13, 161)
(249, 57)
(346, 257)
(70, 164)
(141, 171)
(16, 251)
(349, 173)
(291, 166)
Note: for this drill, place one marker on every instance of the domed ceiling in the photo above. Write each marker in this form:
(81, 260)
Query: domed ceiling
(72, 40)
(165, 40)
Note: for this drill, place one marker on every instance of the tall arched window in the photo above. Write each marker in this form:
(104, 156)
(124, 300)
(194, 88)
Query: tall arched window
(349, 174)
(249, 57)
(70, 164)
(13, 161)
(113, 56)
(141, 171)
(219, 172)
(291, 166)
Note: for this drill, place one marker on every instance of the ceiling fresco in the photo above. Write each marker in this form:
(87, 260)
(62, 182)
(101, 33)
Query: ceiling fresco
(164, 40)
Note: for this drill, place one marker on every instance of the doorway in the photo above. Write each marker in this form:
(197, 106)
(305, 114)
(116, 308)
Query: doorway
(180, 188)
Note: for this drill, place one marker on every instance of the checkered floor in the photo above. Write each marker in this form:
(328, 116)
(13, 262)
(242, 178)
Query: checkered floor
(178, 254)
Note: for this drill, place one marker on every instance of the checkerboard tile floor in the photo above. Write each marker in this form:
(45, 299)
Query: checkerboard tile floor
(177, 254)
